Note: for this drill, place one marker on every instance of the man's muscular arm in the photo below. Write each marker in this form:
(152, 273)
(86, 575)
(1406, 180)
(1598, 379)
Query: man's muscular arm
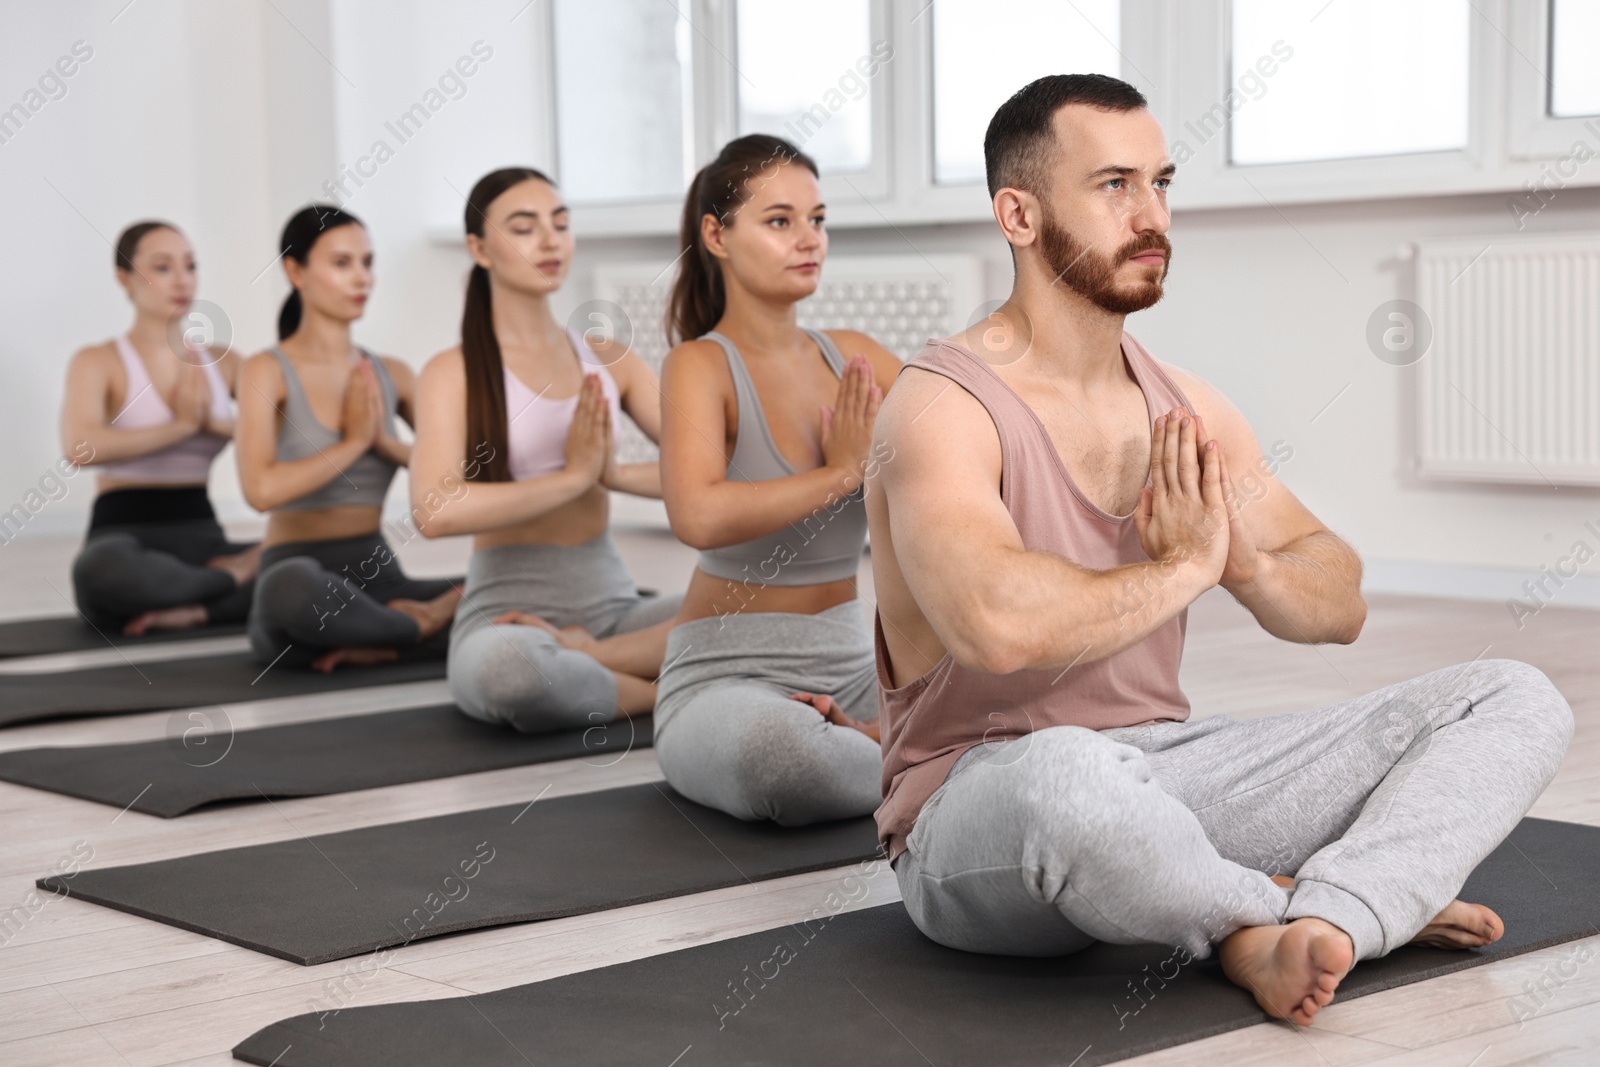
(996, 606)
(1298, 578)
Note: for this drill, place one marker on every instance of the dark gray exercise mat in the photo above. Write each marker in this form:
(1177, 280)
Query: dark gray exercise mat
(868, 987)
(311, 900)
(184, 683)
(204, 761)
(69, 633)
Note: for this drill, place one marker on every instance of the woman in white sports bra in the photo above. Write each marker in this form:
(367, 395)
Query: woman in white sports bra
(767, 707)
(317, 449)
(151, 409)
(552, 632)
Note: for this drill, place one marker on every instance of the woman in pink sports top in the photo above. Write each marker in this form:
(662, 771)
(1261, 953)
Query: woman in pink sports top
(151, 409)
(515, 446)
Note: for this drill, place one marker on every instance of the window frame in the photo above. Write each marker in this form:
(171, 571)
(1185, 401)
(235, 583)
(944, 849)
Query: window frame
(854, 185)
(1211, 179)
(1534, 132)
(714, 115)
(1511, 136)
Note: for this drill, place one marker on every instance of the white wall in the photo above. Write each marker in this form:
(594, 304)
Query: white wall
(187, 110)
(224, 117)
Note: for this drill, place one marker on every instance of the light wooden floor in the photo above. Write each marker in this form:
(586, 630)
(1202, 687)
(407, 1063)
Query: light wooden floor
(80, 984)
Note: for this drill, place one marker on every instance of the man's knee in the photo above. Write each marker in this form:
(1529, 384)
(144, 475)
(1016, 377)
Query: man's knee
(1545, 710)
(1529, 695)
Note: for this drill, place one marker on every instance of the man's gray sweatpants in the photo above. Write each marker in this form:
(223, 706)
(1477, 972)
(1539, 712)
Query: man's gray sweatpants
(1379, 807)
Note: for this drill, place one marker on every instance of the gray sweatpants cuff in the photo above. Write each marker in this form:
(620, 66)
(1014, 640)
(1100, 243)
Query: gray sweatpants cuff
(1319, 900)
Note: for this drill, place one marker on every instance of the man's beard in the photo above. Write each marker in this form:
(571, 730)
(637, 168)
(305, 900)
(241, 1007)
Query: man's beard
(1094, 276)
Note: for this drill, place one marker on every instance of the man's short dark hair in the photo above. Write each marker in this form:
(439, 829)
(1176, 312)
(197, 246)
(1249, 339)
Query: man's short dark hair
(1020, 139)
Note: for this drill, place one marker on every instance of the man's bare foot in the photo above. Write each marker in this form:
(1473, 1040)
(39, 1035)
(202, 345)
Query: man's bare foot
(242, 565)
(1292, 970)
(185, 617)
(356, 657)
(1459, 925)
(431, 615)
(830, 710)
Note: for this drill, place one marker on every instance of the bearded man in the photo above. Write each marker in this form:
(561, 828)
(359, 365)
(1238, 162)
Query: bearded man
(1056, 499)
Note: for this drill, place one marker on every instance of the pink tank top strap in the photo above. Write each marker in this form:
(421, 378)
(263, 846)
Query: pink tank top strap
(142, 405)
(537, 425)
(187, 461)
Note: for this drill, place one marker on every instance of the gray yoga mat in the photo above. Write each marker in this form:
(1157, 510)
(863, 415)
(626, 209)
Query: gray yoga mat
(204, 761)
(69, 633)
(184, 683)
(312, 900)
(867, 987)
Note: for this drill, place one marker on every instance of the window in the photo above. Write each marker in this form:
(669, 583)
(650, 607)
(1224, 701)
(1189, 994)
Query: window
(1349, 78)
(984, 52)
(805, 73)
(1575, 76)
(1296, 101)
(623, 103)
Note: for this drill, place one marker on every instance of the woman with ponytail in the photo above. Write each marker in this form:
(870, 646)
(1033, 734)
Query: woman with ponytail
(317, 449)
(554, 632)
(767, 706)
(152, 409)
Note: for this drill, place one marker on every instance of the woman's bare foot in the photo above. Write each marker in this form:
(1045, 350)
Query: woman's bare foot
(1292, 970)
(573, 637)
(242, 565)
(576, 638)
(1459, 925)
(522, 618)
(186, 617)
(431, 615)
(356, 657)
(830, 710)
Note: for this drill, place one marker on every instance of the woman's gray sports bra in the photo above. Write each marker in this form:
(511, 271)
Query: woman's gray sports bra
(826, 545)
(366, 481)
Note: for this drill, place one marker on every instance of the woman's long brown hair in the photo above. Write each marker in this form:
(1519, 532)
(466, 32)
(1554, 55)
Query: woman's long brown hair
(480, 348)
(698, 299)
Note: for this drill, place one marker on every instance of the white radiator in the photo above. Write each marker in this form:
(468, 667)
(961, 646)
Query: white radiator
(900, 301)
(1509, 390)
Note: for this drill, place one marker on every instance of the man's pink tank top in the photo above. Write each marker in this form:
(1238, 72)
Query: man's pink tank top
(928, 723)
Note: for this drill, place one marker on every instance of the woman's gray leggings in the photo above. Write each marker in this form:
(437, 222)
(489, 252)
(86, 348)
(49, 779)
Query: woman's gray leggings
(520, 675)
(313, 596)
(125, 571)
(727, 734)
